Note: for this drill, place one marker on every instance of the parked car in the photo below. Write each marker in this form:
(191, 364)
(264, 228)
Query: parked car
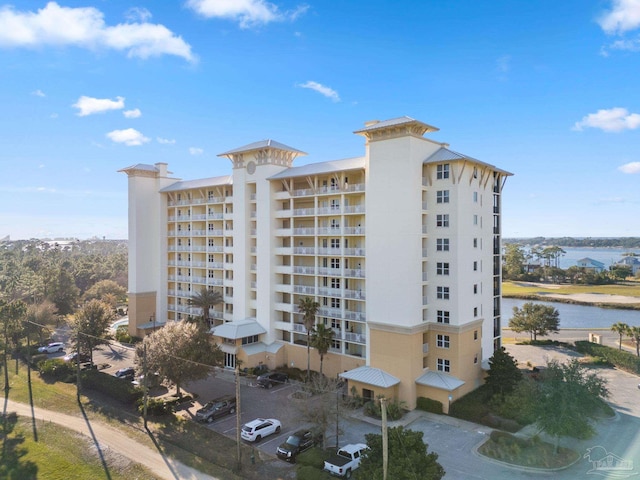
(173, 402)
(345, 460)
(52, 348)
(270, 379)
(216, 408)
(127, 372)
(153, 381)
(71, 357)
(259, 428)
(295, 444)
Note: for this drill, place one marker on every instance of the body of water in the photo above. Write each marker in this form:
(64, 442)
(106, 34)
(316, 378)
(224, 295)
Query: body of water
(608, 256)
(577, 316)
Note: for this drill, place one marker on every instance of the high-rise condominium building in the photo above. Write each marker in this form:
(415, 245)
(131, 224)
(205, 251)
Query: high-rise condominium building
(399, 247)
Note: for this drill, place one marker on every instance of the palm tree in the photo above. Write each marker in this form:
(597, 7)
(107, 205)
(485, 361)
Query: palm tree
(621, 329)
(634, 333)
(321, 340)
(206, 299)
(308, 307)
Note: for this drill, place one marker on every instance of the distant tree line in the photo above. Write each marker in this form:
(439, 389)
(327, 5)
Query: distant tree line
(538, 263)
(39, 272)
(586, 242)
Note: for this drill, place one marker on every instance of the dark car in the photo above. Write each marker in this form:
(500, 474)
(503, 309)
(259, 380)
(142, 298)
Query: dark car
(295, 444)
(216, 408)
(127, 373)
(73, 356)
(270, 379)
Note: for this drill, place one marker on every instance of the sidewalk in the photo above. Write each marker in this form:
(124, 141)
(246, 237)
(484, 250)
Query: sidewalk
(106, 437)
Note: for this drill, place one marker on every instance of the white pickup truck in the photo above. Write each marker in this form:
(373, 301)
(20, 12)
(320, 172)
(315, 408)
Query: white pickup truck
(345, 460)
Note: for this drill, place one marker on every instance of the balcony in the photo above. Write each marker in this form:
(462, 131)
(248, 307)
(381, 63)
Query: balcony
(215, 232)
(355, 294)
(304, 231)
(303, 270)
(304, 251)
(355, 337)
(215, 248)
(354, 209)
(304, 289)
(354, 272)
(353, 230)
(216, 282)
(217, 265)
(299, 328)
(330, 292)
(330, 251)
(351, 315)
(354, 252)
(304, 212)
(330, 211)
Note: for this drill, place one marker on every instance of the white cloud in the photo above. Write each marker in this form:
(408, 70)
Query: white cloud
(632, 167)
(138, 13)
(135, 113)
(165, 141)
(38, 93)
(85, 28)
(130, 137)
(195, 151)
(612, 120)
(321, 89)
(247, 13)
(90, 105)
(623, 17)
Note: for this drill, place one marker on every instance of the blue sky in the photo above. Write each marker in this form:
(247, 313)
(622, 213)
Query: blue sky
(547, 90)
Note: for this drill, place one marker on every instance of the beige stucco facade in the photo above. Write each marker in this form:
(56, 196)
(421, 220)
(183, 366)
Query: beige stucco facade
(400, 248)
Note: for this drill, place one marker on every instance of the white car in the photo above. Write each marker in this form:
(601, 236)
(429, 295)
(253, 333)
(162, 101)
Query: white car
(52, 348)
(260, 428)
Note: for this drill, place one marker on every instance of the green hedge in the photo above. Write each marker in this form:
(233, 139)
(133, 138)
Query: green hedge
(117, 388)
(429, 405)
(620, 358)
(57, 370)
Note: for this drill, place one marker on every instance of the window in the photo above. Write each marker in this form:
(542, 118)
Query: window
(444, 365)
(335, 263)
(251, 339)
(475, 311)
(475, 197)
(211, 258)
(443, 293)
(335, 204)
(211, 274)
(335, 224)
(442, 268)
(335, 243)
(442, 220)
(442, 244)
(475, 266)
(442, 341)
(442, 196)
(335, 283)
(475, 243)
(335, 344)
(475, 358)
(475, 288)
(443, 316)
(335, 303)
(475, 334)
(475, 219)
(442, 171)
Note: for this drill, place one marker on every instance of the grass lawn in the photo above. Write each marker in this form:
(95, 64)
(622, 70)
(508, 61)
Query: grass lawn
(629, 289)
(191, 443)
(526, 452)
(60, 454)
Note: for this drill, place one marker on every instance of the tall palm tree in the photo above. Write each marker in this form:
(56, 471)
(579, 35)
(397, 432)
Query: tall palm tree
(206, 299)
(621, 329)
(634, 333)
(308, 307)
(321, 340)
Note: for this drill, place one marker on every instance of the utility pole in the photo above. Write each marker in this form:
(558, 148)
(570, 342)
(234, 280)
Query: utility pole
(385, 439)
(144, 382)
(78, 366)
(238, 452)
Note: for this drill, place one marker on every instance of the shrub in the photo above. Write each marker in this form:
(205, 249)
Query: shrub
(155, 406)
(306, 472)
(429, 405)
(620, 358)
(118, 388)
(122, 334)
(314, 457)
(473, 406)
(395, 409)
(56, 370)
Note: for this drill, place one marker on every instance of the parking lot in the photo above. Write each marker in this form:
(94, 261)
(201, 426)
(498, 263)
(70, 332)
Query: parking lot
(453, 440)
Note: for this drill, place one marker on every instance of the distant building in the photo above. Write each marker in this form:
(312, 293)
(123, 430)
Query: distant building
(401, 248)
(591, 265)
(630, 261)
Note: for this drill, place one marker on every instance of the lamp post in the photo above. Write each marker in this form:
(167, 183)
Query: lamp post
(152, 318)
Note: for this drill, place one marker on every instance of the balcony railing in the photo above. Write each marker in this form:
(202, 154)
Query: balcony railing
(304, 270)
(307, 290)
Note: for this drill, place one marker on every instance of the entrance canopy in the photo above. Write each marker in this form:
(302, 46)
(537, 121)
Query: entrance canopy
(371, 376)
